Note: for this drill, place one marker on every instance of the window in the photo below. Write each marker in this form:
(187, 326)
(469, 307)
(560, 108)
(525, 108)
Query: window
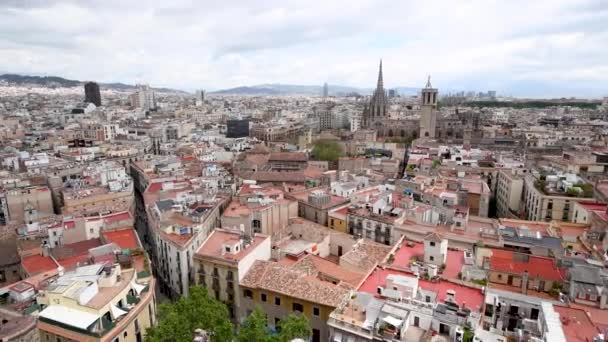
(263, 297)
(534, 313)
(432, 243)
(316, 311)
(431, 258)
(277, 300)
(499, 276)
(332, 222)
(116, 339)
(297, 307)
(248, 294)
(427, 299)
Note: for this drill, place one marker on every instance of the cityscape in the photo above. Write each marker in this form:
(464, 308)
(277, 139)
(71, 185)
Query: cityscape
(424, 208)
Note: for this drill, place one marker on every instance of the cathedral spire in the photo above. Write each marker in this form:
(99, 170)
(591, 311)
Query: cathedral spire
(380, 85)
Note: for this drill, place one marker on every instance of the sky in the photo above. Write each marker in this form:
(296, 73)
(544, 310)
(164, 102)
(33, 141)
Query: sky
(531, 48)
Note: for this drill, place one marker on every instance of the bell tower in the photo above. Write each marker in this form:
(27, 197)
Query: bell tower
(428, 111)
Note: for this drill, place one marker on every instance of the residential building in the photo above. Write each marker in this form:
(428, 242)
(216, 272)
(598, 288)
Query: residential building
(224, 259)
(553, 197)
(509, 191)
(98, 302)
(92, 94)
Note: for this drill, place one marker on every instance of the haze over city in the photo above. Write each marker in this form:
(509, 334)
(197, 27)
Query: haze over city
(549, 48)
(303, 171)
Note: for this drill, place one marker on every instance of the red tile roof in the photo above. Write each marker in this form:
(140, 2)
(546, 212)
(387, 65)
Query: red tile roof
(576, 324)
(155, 187)
(124, 238)
(35, 264)
(537, 267)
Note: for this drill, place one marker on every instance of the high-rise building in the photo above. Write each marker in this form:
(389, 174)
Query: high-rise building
(147, 98)
(325, 90)
(237, 128)
(376, 111)
(92, 93)
(392, 93)
(428, 111)
(200, 97)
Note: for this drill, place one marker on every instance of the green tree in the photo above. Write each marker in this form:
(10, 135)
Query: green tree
(254, 328)
(294, 326)
(178, 320)
(326, 150)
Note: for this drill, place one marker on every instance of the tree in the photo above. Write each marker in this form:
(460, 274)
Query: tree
(178, 320)
(291, 327)
(326, 150)
(254, 328)
(294, 326)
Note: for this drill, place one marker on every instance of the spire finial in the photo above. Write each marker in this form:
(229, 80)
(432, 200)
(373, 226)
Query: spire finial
(380, 79)
(428, 82)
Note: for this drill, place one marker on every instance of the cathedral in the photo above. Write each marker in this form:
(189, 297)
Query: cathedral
(461, 127)
(376, 111)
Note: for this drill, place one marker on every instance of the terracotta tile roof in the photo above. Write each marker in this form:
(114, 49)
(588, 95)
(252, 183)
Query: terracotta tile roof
(75, 249)
(124, 238)
(316, 266)
(278, 278)
(366, 254)
(537, 267)
(35, 264)
(288, 156)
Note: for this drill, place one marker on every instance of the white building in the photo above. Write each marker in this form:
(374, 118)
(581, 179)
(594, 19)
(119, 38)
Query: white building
(435, 249)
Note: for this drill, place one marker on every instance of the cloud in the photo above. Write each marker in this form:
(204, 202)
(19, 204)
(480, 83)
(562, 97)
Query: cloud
(480, 44)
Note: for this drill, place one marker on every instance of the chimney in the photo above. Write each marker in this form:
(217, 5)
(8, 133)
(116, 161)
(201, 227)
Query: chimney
(524, 283)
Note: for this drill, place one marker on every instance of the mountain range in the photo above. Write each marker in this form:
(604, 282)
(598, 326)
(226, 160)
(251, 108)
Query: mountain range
(60, 82)
(276, 89)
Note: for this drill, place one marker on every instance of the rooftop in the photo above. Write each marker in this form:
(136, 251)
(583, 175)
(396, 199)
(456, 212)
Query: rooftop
(536, 266)
(472, 297)
(576, 324)
(35, 264)
(215, 242)
(125, 238)
(278, 278)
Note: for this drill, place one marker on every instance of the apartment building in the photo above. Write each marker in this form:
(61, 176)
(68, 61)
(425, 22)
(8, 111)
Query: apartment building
(98, 302)
(552, 197)
(222, 261)
(509, 190)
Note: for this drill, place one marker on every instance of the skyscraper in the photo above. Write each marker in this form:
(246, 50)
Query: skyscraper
(428, 111)
(376, 110)
(325, 90)
(200, 97)
(147, 98)
(92, 93)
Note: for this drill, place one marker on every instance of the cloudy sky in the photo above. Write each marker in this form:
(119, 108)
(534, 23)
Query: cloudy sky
(519, 47)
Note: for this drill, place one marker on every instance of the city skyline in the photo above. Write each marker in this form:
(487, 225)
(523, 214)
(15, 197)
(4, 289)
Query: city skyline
(553, 49)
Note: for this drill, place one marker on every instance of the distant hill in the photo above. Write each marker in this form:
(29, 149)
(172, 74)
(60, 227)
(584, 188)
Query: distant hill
(60, 82)
(307, 90)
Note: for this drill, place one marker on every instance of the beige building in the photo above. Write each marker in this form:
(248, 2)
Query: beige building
(95, 200)
(260, 209)
(509, 189)
(97, 303)
(224, 259)
(547, 200)
(28, 204)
